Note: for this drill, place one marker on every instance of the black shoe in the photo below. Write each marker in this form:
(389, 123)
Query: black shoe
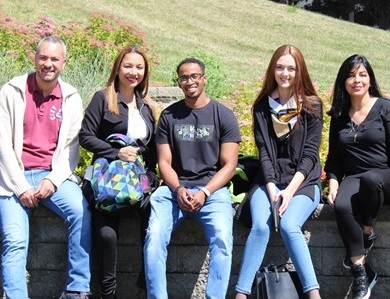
(371, 275)
(369, 240)
(360, 289)
(347, 263)
(75, 295)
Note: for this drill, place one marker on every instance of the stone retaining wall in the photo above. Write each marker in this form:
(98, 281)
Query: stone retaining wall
(187, 260)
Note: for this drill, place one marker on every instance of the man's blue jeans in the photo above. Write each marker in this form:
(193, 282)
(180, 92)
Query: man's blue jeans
(68, 203)
(216, 218)
(299, 209)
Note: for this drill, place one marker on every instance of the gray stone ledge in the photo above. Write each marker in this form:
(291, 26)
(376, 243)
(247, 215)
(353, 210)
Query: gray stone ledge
(188, 257)
(165, 94)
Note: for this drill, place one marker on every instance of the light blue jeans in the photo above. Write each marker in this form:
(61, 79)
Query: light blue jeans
(299, 209)
(68, 203)
(216, 218)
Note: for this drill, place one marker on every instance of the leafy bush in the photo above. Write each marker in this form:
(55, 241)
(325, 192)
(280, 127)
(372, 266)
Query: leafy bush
(84, 161)
(242, 100)
(88, 75)
(91, 47)
(10, 67)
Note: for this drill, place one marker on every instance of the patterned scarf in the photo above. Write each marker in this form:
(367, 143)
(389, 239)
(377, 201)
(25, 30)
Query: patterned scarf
(284, 116)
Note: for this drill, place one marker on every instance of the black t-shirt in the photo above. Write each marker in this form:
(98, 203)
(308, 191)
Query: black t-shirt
(195, 136)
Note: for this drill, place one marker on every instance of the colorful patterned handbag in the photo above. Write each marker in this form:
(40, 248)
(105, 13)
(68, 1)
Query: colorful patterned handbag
(119, 184)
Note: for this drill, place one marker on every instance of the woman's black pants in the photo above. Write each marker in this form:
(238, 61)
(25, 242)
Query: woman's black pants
(358, 202)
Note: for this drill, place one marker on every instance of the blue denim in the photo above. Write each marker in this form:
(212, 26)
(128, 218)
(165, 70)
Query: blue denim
(299, 209)
(216, 218)
(68, 203)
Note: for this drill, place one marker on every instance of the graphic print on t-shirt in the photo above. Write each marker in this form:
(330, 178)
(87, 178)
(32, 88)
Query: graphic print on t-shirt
(194, 133)
(55, 113)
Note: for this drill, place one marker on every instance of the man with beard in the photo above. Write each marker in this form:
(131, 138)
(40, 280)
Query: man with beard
(41, 118)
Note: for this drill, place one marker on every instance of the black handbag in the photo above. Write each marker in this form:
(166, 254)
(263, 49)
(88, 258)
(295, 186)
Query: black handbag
(242, 185)
(278, 282)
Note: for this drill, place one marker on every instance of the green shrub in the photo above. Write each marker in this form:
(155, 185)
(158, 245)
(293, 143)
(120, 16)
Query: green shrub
(91, 47)
(84, 161)
(11, 68)
(242, 100)
(88, 75)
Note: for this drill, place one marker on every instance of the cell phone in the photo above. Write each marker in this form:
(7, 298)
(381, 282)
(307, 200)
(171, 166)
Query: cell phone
(275, 213)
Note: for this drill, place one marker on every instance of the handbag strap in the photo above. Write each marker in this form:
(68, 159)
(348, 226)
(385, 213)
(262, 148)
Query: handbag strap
(276, 271)
(286, 267)
(120, 139)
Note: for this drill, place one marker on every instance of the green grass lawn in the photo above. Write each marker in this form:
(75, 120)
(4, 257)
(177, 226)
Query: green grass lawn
(242, 34)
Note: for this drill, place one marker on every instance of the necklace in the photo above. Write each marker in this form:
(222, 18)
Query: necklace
(132, 105)
(354, 129)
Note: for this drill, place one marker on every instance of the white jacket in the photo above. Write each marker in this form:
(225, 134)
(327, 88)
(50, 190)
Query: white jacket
(66, 155)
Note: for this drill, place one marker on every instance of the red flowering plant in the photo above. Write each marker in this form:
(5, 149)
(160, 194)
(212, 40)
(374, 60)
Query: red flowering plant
(93, 44)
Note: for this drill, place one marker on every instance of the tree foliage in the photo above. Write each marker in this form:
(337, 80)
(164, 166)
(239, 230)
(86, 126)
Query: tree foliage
(374, 13)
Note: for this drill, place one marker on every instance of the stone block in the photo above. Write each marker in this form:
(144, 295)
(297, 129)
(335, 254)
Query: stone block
(165, 94)
(47, 229)
(46, 284)
(191, 259)
(47, 256)
(129, 258)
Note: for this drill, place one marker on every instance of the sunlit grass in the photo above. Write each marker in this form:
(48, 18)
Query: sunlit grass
(241, 33)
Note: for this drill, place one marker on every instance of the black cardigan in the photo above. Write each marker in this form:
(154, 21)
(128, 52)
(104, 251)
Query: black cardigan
(304, 147)
(99, 123)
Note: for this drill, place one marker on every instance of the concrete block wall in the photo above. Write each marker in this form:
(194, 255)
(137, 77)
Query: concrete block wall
(188, 257)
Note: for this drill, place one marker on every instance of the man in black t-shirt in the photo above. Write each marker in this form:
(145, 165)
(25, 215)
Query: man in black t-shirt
(197, 141)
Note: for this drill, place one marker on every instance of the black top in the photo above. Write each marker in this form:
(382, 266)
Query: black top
(195, 137)
(99, 123)
(300, 149)
(355, 149)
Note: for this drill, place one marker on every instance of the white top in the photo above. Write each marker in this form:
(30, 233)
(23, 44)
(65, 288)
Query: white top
(136, 128)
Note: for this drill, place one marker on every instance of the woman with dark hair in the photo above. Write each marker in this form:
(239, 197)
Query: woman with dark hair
(122, 107)
(358, 164)
(287, 117)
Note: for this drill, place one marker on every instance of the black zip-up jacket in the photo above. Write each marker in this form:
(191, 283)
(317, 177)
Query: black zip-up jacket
(99, 123)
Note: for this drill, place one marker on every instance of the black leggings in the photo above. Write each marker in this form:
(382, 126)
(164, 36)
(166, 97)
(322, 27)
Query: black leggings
(358, 201)
(106, 234)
